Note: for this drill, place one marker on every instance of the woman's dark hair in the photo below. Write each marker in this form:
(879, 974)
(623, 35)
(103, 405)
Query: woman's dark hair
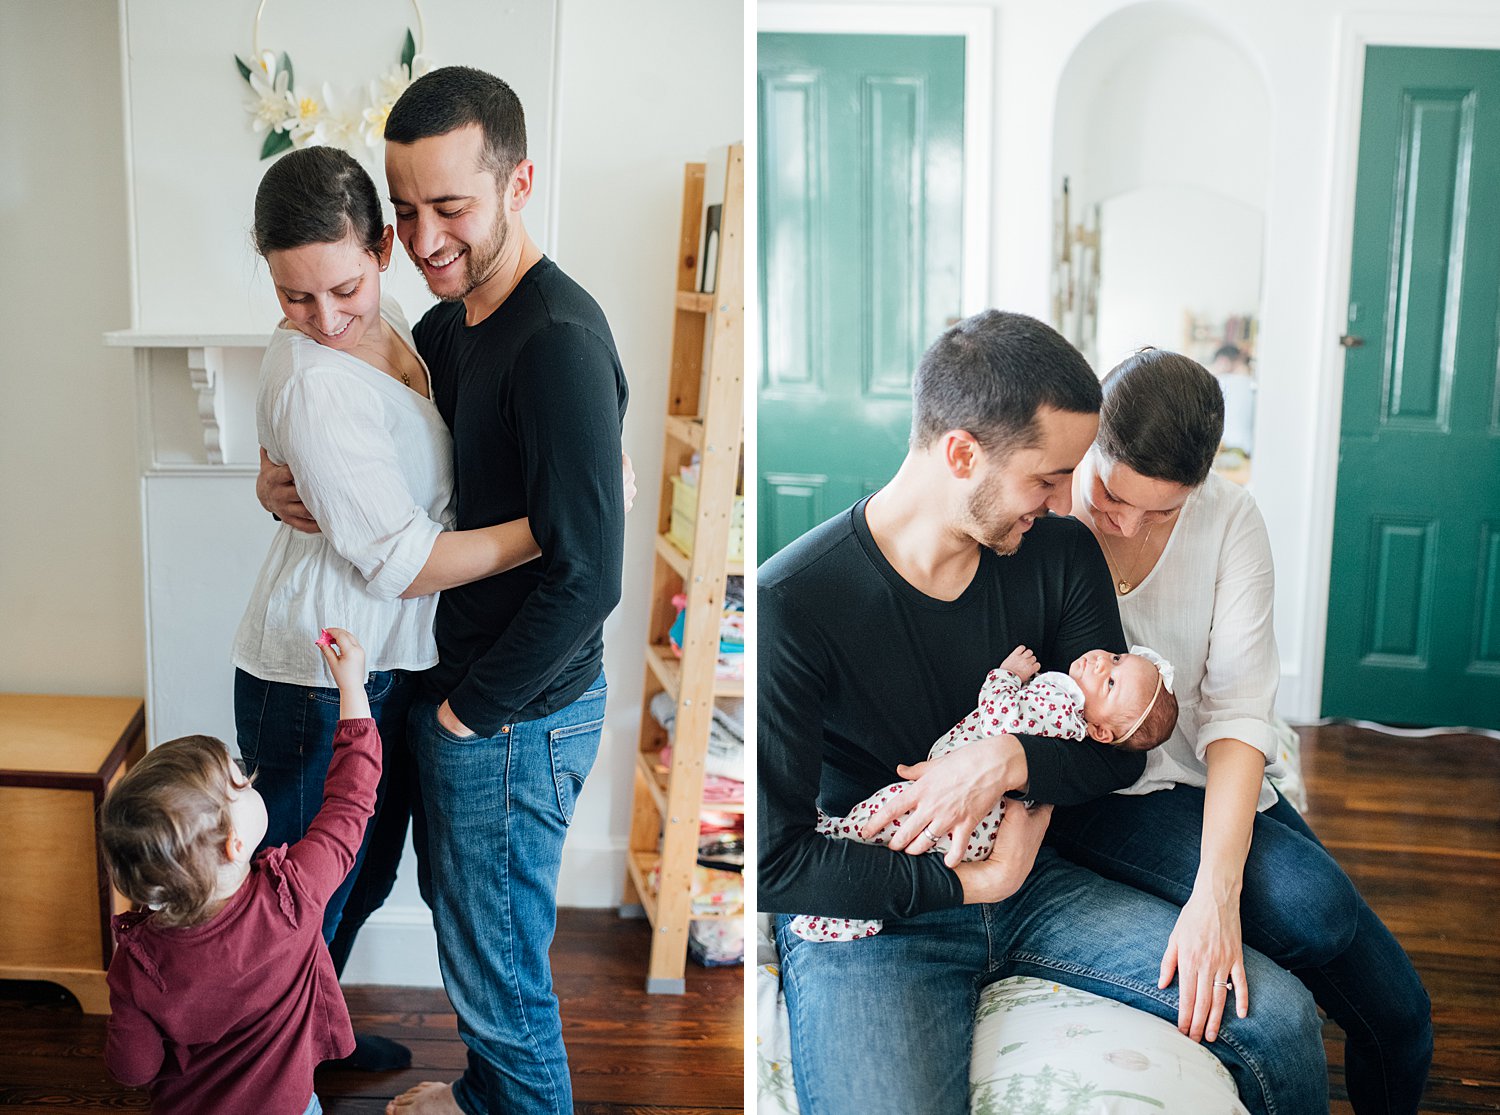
(1163, 416)
(454, 97)
(990, 374)
(317, 195)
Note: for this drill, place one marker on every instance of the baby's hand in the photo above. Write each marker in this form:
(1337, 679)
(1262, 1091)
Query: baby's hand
(345, 658)
(1022, 663)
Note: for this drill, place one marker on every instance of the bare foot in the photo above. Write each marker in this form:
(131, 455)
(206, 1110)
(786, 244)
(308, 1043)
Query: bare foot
(427, 1098)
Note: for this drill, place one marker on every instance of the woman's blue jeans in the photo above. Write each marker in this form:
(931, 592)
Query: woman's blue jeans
(1298, 908)
(498, 808)
(285, 734)
(886, 1023)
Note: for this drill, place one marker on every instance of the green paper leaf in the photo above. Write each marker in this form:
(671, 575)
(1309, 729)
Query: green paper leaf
(408, 52)
(276, 142)
(286, 64)
(244, 69)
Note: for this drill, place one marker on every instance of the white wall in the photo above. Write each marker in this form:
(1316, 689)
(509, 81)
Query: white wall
(70, 550)
(1300, 49)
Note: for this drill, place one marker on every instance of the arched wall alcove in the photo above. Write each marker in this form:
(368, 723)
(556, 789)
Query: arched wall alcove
(1163, 132)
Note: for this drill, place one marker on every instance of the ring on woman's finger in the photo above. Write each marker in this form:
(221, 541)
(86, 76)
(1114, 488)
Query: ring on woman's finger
(1224, 983)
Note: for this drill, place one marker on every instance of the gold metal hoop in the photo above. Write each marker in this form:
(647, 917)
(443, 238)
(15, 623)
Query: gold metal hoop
(260, 9)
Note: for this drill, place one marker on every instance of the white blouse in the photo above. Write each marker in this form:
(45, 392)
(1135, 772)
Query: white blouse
(1206, 607)
(373, 461)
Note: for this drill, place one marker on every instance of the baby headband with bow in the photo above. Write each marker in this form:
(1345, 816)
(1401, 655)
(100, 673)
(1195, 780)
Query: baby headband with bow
(1163, 681)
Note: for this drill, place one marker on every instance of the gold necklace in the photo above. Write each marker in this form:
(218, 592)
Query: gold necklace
(1126, 584)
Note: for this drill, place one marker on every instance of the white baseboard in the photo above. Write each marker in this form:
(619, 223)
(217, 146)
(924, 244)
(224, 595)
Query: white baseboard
(398, 945)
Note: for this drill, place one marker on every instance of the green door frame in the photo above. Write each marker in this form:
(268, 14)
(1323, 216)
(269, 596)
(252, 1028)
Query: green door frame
(1356, 32)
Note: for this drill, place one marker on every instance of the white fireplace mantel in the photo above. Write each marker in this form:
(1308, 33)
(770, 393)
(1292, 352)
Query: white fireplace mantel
(205, 364)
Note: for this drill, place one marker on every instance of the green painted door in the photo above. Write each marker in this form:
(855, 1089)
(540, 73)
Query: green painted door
(1414, 599)
(861, 215)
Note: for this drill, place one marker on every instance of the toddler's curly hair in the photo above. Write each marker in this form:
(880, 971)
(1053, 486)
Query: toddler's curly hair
(163, 827)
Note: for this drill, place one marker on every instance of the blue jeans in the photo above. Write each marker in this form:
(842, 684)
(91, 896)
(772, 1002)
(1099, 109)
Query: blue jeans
(285, 733)
(886, 1023)
(498, 808)
(1298, 907)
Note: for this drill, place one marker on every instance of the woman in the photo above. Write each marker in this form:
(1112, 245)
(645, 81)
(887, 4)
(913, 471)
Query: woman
(1191, 562)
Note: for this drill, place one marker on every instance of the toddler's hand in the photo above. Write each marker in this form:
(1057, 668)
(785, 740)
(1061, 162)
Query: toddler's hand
(1022, 663)
(345, 658)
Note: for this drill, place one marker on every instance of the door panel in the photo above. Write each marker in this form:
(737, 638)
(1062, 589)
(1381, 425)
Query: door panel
(1413, 629)
(861, 212)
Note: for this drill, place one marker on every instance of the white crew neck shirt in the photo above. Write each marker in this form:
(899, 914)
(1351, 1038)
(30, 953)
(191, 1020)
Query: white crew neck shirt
(1206, 607)
(373, 461)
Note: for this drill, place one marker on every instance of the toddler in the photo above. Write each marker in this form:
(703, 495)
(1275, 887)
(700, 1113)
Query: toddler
(222, 994)
(1120, 699)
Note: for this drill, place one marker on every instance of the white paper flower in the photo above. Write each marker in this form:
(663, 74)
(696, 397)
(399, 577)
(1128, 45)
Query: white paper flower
(270, 104)
(311, 117)
(340, 126)
(374, 126)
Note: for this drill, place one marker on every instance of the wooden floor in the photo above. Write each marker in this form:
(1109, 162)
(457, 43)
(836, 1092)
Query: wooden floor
(631, 1053)
(1416, 823)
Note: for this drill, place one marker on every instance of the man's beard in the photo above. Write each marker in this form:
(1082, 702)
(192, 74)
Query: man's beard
(479, 262)
(993, 536)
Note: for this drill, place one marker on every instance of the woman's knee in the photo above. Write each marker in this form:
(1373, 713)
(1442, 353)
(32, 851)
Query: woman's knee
(1280, 1040)
(1302, 910)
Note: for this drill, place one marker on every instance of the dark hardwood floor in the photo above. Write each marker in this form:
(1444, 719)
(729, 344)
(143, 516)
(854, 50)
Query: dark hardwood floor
(1416, 824)
(631, 1053)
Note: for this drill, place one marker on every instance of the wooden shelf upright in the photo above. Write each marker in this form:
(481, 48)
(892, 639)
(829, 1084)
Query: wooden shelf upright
(705, 415)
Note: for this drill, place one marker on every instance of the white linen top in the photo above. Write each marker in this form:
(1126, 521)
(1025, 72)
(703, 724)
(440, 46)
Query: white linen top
(373, 461)
(1206, 608)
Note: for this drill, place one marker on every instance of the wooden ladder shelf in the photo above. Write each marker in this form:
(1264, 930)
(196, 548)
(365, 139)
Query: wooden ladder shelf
(705, 415)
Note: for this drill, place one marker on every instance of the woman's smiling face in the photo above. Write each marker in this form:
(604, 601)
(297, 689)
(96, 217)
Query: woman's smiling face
(331, 292)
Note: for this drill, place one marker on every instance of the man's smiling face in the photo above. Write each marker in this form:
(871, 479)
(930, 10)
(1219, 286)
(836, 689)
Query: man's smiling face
(452, 215)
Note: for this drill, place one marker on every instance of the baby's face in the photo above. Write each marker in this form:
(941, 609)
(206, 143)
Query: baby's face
(1116, 689)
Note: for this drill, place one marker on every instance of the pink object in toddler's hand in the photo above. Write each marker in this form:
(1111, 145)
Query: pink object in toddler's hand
(324, 638)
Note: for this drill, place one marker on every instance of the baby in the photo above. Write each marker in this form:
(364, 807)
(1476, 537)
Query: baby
(1120, 699)
(221, 991)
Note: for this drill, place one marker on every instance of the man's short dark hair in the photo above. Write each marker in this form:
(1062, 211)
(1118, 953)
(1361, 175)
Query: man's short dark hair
(454, 97)
(990, 374)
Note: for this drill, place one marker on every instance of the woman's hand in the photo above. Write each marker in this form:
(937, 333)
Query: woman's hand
(627, 468)
(951, 794)
(1206, 952)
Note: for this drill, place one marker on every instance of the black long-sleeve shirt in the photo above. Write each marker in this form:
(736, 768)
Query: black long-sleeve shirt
(860, 671)
(535, 397)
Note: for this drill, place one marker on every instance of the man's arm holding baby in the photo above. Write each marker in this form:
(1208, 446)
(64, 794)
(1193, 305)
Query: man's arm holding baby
(955, 792)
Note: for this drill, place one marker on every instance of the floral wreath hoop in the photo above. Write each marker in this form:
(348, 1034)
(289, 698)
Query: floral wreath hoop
(307, 119)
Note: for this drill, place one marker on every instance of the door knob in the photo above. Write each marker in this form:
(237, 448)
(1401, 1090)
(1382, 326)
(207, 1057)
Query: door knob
(1348, 340)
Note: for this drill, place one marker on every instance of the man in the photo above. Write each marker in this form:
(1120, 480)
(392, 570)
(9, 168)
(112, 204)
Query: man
(525, 373)
(876, 630)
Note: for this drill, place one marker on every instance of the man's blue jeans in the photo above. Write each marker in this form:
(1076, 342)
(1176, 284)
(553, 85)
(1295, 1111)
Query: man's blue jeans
(1298, 907)
(498, 808)
(886, 1023)
(285, 733)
